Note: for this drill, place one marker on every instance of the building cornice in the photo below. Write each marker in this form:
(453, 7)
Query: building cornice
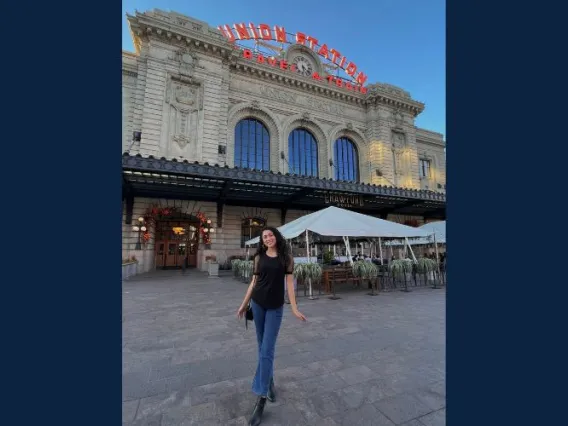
(386, 94)
(143, 27)
(429, 137)
(182, 31)
(287, 78)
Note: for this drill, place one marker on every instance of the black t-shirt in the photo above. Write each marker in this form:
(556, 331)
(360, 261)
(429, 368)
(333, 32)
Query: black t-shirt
(268, 291)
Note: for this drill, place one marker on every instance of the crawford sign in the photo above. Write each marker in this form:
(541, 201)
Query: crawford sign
(263, 32)
(343, 200)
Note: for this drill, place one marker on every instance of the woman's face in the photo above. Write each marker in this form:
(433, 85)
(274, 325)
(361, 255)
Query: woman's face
(268, 239)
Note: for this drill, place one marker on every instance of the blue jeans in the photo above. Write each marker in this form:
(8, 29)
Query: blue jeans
(267, 323)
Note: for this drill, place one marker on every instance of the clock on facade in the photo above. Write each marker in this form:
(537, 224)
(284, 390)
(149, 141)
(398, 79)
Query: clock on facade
(303, 66)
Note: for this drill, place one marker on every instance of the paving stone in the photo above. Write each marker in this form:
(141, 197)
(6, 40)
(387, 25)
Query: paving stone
(322, 405)
(129, 410)
(283, 415)
(354, 375)
(320, 384)
(158, 404)
(188, 360)
(437, 418)
(326, 366)
(354, 396)
(414, 422)
(136, 388)
(438, 387)
(366, 415)
(150, 421)
(402, 408)
(430, 398)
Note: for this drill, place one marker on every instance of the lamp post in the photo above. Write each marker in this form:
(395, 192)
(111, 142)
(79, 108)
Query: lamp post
(140, 228)
(208, 228)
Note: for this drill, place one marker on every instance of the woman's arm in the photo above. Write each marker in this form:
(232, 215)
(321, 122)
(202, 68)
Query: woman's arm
(290, 289)
(291, 292)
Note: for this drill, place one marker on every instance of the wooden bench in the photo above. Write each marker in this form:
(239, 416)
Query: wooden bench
(340, 274)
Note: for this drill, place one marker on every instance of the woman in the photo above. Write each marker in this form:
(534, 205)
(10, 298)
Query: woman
(272, 263)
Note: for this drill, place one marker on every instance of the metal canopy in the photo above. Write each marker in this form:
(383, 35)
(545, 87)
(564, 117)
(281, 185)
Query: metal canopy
(160, 178)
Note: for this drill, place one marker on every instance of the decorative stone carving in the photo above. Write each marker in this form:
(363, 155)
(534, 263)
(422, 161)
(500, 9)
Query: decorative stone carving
(182, 107)
(402, 164)
(398, 140)
(281, 95)
(376, 88)
(159, 53)
(349, 126)
(398, 118)
(188, 62)
(255, 104)
(186, 95)
(181, 22)
(306, 116)
(328, 107)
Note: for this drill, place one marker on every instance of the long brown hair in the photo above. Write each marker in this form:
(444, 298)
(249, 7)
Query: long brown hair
(281, 246)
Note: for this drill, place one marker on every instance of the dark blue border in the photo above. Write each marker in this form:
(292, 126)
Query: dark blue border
(507, 291)
(61, 157)
(61, 290)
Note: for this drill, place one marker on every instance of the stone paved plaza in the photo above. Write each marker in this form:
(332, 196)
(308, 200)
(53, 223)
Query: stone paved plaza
(360, 360)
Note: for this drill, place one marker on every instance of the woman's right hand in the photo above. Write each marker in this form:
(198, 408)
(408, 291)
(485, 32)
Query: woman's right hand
(241, 311)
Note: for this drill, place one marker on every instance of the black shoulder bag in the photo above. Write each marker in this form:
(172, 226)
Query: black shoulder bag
(248, 315)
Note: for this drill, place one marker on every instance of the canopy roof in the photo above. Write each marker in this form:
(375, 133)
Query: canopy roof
(438, 228)
(160, 178)
(334, 221)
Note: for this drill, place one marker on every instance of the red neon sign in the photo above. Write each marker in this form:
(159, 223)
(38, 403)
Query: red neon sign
(283, 64)
(278, 34)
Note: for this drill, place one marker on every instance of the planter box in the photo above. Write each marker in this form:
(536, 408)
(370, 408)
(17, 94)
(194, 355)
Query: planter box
(213, 269)
(129, 270)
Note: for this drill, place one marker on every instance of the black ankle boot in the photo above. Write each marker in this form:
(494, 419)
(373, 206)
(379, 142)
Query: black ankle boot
(271, 393)
(257, 412)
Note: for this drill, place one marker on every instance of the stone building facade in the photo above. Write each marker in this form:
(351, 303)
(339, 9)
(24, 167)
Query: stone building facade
(186, 88)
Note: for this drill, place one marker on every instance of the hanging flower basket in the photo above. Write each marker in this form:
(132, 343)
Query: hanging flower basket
(156, 213)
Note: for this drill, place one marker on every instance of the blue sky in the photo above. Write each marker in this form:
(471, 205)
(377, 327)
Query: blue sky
(400, 42)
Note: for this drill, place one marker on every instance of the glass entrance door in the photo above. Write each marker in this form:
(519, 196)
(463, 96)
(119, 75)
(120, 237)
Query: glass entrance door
(160, 254)
(171, 254)
(176, 242)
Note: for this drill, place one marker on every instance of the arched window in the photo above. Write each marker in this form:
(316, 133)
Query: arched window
(251, 227)
(252, 145)
(346, 160)
(302, 153)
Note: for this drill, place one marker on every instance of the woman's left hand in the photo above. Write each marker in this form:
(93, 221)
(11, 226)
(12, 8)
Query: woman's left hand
(299, 315)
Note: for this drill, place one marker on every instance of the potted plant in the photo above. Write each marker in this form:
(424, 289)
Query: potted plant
(129, 267)
(308, 273)
(328, 257)
(367, 271)
(246, 269)
(401, 269)
(236, 266)
(426, 267)
(213, 265)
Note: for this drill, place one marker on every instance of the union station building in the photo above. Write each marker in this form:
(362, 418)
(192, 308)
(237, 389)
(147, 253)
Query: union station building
(227, 129)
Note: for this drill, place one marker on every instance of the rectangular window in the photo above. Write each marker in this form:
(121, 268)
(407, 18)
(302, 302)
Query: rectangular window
(424, 171)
